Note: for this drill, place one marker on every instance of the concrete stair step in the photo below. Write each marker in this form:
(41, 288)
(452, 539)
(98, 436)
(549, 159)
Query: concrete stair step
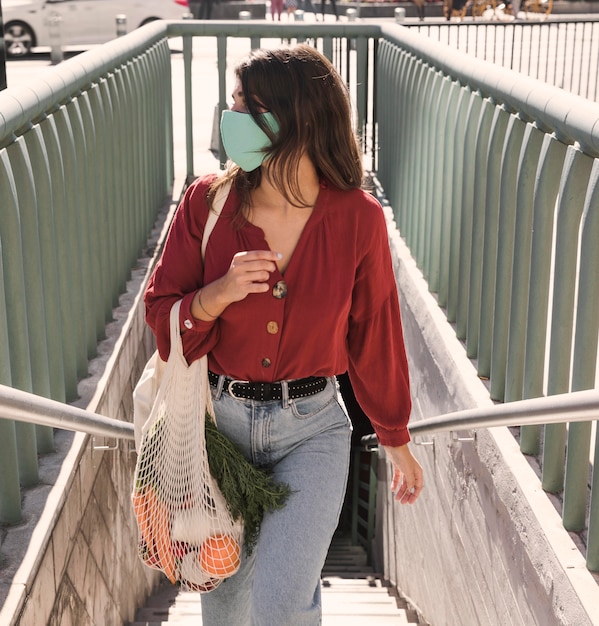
(356, 602)
(352, 595)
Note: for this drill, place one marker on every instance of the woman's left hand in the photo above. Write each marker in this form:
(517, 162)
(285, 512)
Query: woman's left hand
(408, 479)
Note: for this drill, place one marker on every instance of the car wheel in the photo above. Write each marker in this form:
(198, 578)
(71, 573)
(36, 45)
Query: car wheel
(18, 38)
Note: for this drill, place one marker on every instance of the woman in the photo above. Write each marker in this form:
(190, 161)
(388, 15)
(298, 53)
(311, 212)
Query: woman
(297, 286)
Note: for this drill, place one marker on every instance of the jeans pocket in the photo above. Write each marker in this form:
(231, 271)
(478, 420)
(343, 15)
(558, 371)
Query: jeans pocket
(305, 408)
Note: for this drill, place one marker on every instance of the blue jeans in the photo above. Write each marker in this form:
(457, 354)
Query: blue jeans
(306, 443)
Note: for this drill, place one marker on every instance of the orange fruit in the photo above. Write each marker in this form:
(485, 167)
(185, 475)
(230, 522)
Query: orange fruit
(220, 556)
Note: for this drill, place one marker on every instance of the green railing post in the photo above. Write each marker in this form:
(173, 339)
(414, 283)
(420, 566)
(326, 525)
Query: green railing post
(10, 494)
(514, 375)
(418, 175)
(49, 303)
(577, 168)
(584, 359)
(467, 221)
(475, 252)
(221, 43)
(593, 531)
(431, 264)
(460, 163)
(187, 61)
(505, 253)
(547, 185)
(490, 240)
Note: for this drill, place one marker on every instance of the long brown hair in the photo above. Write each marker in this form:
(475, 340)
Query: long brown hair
(311, 104)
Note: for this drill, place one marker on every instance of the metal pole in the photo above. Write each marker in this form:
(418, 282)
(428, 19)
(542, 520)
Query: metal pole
(56, 54)
(187, 60)
(121, 25)
(576, 406)
(221, 43)
(10, 495)
(26, 408)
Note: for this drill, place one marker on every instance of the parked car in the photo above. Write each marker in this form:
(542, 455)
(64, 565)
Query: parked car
(81, 22)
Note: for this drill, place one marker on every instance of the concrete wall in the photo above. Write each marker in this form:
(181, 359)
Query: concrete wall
(483, 545)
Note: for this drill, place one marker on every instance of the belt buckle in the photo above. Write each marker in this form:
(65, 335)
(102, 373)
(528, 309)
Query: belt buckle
(230, 388)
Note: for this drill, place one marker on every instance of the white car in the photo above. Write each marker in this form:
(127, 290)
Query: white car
(80, 22)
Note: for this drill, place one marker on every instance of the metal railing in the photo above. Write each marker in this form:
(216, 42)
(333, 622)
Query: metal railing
(579, 406)
(582, 406)
(561, 52)
(350, 46)
(493, 178)
(31, 409)
(86, 162)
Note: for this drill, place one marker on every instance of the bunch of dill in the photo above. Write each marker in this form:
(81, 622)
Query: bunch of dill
(249, 491)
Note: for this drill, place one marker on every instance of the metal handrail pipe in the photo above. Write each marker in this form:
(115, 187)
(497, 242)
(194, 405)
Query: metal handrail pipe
(26, 407)
(20, 105)
(236, 28)
(578, 406)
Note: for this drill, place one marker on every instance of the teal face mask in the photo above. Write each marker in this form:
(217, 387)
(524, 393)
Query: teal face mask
(244, 140)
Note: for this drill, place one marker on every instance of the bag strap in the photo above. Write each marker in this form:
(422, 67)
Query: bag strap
(213, 215)
(175, 330)
(217, 206)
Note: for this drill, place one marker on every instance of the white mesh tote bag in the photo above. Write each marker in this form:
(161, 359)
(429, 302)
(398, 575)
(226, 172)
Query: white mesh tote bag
(185, 527)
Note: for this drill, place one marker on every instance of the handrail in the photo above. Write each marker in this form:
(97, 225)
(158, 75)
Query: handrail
(578, 406)
(27, 407)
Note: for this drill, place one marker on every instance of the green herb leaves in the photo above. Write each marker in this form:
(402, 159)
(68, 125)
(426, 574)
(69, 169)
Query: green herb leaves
(249, 491)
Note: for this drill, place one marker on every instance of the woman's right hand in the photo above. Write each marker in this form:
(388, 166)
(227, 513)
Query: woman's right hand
(249, 272)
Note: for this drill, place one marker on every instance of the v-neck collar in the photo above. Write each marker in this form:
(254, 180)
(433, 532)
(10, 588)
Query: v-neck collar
(315, 217)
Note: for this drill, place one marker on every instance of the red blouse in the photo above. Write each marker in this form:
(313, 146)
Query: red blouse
(340, 311)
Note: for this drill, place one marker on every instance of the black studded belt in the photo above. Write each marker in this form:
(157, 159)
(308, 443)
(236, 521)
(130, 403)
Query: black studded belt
(245, 390)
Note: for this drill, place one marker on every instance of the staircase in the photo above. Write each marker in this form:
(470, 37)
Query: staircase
(352, 595)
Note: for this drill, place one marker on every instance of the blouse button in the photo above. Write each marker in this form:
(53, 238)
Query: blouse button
(188, 324)
(272, 328)
(266, 362)
(280, 290)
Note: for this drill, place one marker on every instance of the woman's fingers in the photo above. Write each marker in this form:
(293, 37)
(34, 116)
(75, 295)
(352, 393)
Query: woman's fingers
(408, 479)
(406, 492)
(250, 272)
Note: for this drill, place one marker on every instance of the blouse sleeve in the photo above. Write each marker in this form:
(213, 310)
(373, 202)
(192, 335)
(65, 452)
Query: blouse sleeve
(178, 275)
(378, 367)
